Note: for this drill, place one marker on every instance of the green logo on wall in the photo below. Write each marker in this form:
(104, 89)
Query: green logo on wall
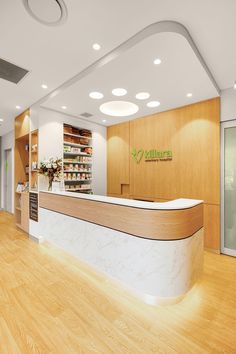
(151, 155)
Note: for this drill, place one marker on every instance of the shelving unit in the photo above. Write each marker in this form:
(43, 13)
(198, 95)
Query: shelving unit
(77, 159)
(22, 142)
(34, 160)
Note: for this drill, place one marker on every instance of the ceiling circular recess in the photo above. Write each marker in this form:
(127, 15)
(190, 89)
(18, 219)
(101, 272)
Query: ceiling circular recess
(48, 12)
(119, 108)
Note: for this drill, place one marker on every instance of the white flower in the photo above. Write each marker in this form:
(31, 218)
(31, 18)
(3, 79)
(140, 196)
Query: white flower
(48, 165)
(54, 165)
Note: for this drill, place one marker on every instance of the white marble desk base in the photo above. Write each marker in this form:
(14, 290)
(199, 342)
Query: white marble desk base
(158, 271)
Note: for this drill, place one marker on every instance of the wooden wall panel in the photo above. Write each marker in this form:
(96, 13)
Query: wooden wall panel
(118, 159)
(212, 227)
(193, 134)
(22, 124)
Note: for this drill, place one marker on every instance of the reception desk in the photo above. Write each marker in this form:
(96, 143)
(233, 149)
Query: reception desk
(154, 249)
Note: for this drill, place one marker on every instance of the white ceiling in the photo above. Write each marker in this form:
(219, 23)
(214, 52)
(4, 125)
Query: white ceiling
(54, 54)
(179, 73)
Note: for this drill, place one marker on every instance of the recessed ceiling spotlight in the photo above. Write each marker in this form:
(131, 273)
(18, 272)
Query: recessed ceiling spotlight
(44, 86)
(119, 92)
(142, 95)
(119, 108)
(235, 85)
(157, 61)
(153, 104)
(189, 94)
(1, 120)
(96, 46)
(104, 120)
(64, 107)
(18, 107)
(96, 95)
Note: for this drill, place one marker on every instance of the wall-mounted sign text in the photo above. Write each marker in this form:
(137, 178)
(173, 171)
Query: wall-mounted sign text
(151, 155)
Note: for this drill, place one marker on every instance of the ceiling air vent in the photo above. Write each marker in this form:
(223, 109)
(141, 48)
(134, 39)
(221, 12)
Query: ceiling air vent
(11, 72)
(86, 115)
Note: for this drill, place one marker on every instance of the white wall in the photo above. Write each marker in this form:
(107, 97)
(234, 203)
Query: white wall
(228, 104)
(8, 142)
(50, 124)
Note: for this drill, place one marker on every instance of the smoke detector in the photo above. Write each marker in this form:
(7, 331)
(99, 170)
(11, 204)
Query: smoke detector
(47, 12)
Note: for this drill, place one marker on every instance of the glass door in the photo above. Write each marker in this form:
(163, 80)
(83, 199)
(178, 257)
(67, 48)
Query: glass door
(228, 188)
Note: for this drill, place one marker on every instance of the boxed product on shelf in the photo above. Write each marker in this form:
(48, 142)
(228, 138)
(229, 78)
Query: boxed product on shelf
(34, 148)
(88, 150)
(75, 150)
(83, 141)
(67, 148)
(75, 131)
(67, 128)
(68, 138)
(85, 132)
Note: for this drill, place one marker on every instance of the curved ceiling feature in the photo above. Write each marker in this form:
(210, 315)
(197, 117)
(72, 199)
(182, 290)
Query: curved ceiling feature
(54, 54)
(47, 12)
(133, 69)
(154, 28)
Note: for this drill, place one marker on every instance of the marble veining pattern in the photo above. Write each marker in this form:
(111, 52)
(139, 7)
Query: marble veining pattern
(158, 268)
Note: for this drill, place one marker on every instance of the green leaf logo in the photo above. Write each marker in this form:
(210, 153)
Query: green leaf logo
(137, 155)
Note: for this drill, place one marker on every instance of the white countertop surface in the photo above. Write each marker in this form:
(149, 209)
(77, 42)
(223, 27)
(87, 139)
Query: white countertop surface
(173, 204)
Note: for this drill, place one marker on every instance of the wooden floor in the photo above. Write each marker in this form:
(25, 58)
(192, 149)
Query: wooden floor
(51, 303)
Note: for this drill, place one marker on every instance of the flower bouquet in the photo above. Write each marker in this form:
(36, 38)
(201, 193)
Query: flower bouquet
(52, 169)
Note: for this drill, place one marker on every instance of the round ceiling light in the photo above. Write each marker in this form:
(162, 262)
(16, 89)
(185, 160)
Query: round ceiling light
(96, 95)
(119, 92)
(157, 61)
(96, 46)
(1, 120)
(48, 12)
(119, 108)
(189, 94)
(142, 95)
(153, 104)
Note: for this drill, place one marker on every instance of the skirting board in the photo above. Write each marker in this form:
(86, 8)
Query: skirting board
(36, 239)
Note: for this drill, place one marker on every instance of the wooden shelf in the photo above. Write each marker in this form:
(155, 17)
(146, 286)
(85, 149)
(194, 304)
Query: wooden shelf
(33, 158)
(77, 145)
(77, 154)
(78, 163)
(78, 136)
(77, 180)
(76, 171)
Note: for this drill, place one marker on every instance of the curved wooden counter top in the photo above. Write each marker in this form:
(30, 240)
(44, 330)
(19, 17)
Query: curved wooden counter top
(154, 223)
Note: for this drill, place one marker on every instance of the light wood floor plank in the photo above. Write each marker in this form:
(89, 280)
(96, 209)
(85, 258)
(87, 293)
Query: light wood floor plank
(50, 303)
